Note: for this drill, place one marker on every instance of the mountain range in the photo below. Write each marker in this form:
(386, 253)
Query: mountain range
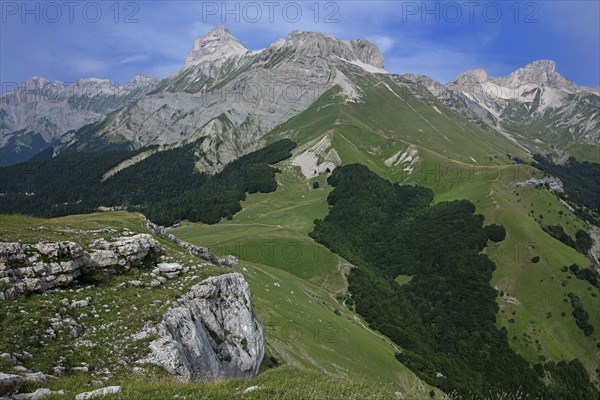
(39, 113)
(424, 240)
(235, 96)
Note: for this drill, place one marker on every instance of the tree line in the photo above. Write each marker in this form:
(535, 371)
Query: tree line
(165, 186)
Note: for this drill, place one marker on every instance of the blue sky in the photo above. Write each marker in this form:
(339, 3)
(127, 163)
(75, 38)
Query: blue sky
(105, 39)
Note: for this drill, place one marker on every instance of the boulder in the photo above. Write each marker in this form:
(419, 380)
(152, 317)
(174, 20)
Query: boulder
(80, 303)
(36, 377)
(99, 392)
(252, 389)
(229, 261)
(76, 332)
(131, 249)
(38, 394)
(170, 270)
(10, 383)
(211, 334)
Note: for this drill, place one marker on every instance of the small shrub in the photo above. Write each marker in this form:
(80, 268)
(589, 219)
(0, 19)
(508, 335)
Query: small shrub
(496, 233)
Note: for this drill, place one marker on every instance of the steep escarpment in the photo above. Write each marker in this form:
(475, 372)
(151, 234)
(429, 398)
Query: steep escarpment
(211, 334)
(234, 96)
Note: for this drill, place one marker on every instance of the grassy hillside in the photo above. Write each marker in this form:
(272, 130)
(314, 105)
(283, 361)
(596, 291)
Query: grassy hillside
(534, 311)
(457, 160)
(273, 230)
(322, 349)
(387, 118)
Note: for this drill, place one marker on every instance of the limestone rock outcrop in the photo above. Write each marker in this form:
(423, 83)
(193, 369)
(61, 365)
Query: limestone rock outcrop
(26, 268)
(211, 334)
(196, 251)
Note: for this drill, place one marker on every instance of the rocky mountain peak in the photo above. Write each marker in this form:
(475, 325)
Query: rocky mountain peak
(38, 84)
(547, 66)
(220, 31)
(93, 86)
(215, 47)
(538, 72)
(325, 46)
(476, 75)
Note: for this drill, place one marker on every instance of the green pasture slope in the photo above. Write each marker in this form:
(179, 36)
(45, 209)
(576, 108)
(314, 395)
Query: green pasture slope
(458, 160)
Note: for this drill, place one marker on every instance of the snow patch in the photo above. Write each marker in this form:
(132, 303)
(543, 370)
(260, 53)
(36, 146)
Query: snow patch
(367, 67)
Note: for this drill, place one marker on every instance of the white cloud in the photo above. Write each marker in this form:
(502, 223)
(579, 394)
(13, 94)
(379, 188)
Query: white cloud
(385, 43)
(134, 58)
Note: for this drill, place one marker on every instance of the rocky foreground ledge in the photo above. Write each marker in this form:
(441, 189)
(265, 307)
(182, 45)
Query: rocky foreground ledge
(210, 333)
(36, 268)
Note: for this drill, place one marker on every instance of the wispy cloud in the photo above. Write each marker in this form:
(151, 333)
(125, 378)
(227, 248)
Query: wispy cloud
(134, 58)
(385, 43)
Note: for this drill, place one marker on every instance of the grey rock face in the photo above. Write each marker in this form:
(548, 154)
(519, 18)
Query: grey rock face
(213, 49)
(554, 184)
(43, 266)
(595, 250)
(232, 96)
(129, 249)
(50, 109)
(10, 383)
(28, 273)
(312, 45)
(38, 394)
(37, 377)
(212, 334)
(104, 258)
